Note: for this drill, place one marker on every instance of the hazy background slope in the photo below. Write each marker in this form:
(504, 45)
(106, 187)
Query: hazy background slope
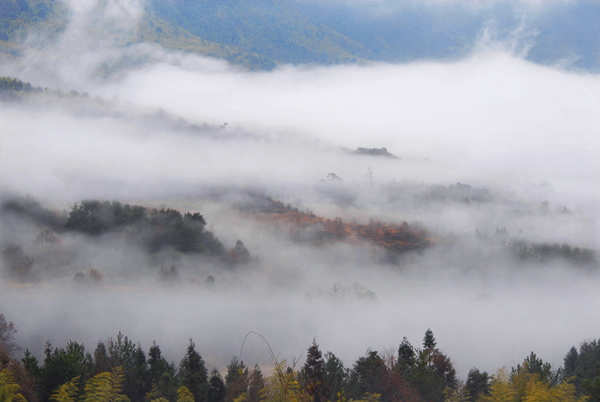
(547, 33)
(273, 29)
(264, 34)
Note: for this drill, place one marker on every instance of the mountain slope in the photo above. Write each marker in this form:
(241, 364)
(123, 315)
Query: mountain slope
(272, 29)
(563, 33)
(261, 34)
(255, 34)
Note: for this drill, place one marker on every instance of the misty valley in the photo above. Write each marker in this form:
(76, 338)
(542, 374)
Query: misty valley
(385, 245)
(297, 200)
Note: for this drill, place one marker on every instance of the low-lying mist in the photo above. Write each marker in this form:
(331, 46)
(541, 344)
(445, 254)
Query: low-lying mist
(496, 164)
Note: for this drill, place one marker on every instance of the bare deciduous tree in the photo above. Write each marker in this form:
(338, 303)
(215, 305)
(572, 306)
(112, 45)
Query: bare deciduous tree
(7, 334)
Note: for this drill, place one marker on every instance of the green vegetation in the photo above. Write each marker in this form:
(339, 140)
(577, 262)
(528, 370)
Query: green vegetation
(273, 31)
(547, 252)
(18, 16)
(170, 237)
(12, 88)
(152, 29)
(154, 228)
(119, 370)
(253, 34)
(165, 234)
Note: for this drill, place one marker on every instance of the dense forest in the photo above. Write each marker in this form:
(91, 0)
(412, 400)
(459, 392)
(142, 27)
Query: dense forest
(154, 230)
(120, 370)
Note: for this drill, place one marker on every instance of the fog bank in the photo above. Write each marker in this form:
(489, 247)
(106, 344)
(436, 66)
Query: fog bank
(519, 139)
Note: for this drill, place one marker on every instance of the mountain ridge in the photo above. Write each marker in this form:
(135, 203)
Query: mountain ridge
(261, 35)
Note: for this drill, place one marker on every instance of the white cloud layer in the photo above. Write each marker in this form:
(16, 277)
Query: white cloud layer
(493, 120)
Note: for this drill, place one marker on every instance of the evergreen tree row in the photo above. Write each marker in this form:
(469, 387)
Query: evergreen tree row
(120, 370)
(154, 230)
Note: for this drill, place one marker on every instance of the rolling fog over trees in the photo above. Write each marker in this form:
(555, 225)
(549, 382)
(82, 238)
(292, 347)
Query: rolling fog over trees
(151, 191)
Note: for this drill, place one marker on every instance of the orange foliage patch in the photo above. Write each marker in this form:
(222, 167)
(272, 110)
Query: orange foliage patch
(319, 231)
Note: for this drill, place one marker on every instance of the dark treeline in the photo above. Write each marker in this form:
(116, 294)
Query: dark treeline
(12, 89)
(154, 230)
(121, 368)
(166, 232)
(9, 86)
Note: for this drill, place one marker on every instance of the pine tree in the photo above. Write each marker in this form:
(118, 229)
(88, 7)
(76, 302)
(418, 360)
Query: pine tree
(406, 355)
(193, 374)
(477, 383)
(216, 387)
(256, 383)
(161, 375)
(236, 379)
(336, 375)
(570, 363)
(369, 375)
(101, 359)
(315, 373)
(429, 340)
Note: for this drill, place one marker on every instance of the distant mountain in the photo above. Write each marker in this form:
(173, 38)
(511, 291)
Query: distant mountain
(18, 18)
(272, 29)
(561, 33)
(261, 34)
(402, 33)
(46, 19)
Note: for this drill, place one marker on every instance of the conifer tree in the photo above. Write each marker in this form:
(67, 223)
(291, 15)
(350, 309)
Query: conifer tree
(101, 359)
(406, 355)
(336, 375)
(315, 373)
(236, 379)
(161, 375)
(193, 374)
(256, 383)
(216, 387)
(368, 375)
(7, 335)
(62, 365)
(477, 383)
(429, 340)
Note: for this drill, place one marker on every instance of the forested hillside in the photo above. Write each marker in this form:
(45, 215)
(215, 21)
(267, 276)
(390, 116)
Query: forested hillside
(37, 24)
(272, 29)
(264, 34)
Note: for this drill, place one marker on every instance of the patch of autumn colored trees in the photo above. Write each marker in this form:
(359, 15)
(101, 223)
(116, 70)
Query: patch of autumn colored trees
(319, 231)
